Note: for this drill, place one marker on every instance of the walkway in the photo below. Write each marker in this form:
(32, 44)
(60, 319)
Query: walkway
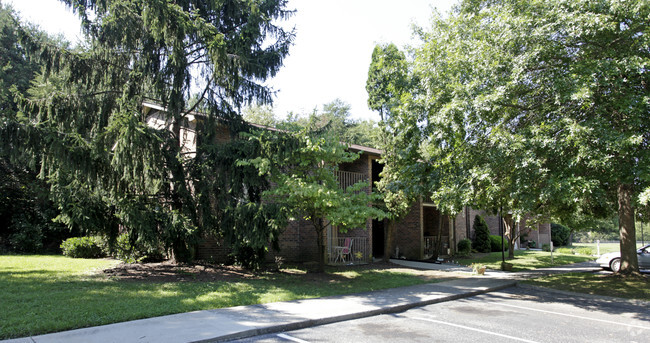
(247, 321)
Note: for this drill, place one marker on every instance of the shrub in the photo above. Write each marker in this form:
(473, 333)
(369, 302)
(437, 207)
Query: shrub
(82, 247)
(464, 247)
(27, 238)
(546, 247)
(249, 257)
(481, 235)
(132, 251)
(560, 234)
(585, 251)
(567, 251)
(495, 243)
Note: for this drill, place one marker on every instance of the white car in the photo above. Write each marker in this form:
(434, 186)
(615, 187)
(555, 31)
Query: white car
(612, 260)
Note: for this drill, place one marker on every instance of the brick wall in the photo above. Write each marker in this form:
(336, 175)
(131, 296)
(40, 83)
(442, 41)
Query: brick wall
(212, 249)
(541, 235)
(408, 234)
(360, 165)
(298, 243)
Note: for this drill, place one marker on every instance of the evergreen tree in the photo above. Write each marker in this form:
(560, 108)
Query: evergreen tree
(86, 125)
(26, 213)
(481, 235)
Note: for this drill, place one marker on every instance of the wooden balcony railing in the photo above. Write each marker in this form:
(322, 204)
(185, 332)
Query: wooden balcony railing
(347, 179)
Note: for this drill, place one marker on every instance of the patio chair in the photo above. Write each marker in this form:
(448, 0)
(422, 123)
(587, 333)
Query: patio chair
(346, 249)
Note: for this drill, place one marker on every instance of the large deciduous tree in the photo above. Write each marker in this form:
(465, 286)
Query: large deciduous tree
(85, 122)
(386, 83)
(544, 103)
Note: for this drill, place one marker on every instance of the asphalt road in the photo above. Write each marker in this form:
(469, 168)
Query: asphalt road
(513, 315)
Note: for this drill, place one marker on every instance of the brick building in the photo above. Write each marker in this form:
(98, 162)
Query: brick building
(415, 233)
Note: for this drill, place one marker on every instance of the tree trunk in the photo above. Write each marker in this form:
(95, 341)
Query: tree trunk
(389, 232)
(180, 250)
(322, 255)
(629, 261)
(510, 229)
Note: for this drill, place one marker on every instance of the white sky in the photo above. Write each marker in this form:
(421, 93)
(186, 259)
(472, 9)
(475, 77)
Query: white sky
(331, 52)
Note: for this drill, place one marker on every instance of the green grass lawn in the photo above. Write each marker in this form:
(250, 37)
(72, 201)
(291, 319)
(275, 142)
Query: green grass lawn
(526, 260)
(599, 284)
(43, 294)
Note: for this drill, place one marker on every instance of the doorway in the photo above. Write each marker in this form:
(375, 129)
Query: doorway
(378, 238)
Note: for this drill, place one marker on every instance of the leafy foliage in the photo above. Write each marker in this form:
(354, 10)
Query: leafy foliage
(82, 247)
(302, 165)
(560, 234)
(335, 118)
(546, 115)
(495, 243)
(464, 247)
(131, 250)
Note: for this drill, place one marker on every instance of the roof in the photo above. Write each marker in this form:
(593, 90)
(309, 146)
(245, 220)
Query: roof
(192, 116)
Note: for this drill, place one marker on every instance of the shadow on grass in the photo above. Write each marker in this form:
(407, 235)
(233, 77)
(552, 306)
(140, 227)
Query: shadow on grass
(630, 287)
(41, 301)
(526, 260)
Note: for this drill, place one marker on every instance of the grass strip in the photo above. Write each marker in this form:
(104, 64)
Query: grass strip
(526, 260)
(630, 287)
(42, 294)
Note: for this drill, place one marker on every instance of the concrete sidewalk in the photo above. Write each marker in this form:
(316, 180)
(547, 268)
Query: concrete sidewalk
(247, 321)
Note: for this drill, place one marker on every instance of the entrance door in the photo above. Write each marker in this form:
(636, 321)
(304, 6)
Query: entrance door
(378, 238)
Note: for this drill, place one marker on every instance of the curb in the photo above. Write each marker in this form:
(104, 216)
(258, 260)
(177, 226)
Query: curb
(635, 302)
(330, 320)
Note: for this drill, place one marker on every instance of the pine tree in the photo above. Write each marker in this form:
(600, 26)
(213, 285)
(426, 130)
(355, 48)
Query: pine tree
(84, 121)
(481, 235)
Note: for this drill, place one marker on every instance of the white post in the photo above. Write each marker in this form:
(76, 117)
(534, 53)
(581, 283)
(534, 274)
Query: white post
(598, 247)
(551, 252)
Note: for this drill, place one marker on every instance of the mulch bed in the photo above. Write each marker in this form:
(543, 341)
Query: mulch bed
(169, 271)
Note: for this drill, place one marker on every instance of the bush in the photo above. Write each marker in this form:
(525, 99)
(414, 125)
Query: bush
(546, 247)
(495, 243)
(481, 235)
(82, 247)
(249, 257)
(464, 247)
(27, 237)
(132, 251)
(560, 234)
(585, 251)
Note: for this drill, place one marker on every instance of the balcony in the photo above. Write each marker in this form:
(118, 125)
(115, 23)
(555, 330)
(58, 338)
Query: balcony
(347, 179)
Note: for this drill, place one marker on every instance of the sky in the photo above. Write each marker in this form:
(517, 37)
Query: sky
(331, 53)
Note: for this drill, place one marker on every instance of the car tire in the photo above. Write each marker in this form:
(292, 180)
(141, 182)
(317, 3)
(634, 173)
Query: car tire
(615, 265)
